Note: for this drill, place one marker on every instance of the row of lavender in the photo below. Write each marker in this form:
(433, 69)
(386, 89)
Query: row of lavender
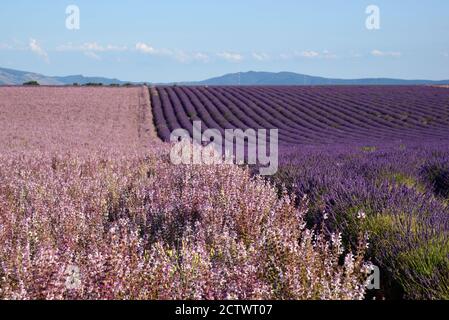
(402, 193)
(309, 115)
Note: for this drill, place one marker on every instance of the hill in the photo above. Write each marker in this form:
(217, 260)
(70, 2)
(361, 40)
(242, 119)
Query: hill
(251, 78)
(290, 78)
(16, 77)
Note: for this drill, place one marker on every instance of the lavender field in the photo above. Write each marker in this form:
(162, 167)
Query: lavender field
(401, 192)
(377, 152)
(310, 115)
(91, 207)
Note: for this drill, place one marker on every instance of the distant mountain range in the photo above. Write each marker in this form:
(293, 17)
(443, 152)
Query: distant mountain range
(15, 77)
(290, 78)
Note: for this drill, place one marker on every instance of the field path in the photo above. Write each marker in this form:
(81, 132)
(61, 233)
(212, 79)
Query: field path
(147, 129)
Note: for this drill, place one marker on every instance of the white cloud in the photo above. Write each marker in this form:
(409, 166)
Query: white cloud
(90, 46)
(261, 56)
(37, 49)
(328, 55)
(230, 56)
(378, 53)
(178, 55)
(92, 55)
(91, 49)
(111, 47)
(199, 56)
(309, 54)
(145, 48)
(445, 54)
(148, 49)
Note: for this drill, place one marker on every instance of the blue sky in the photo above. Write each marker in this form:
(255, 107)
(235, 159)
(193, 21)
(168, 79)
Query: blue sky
(176, 40)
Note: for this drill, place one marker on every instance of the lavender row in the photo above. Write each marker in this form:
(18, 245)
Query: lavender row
(309, 115)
